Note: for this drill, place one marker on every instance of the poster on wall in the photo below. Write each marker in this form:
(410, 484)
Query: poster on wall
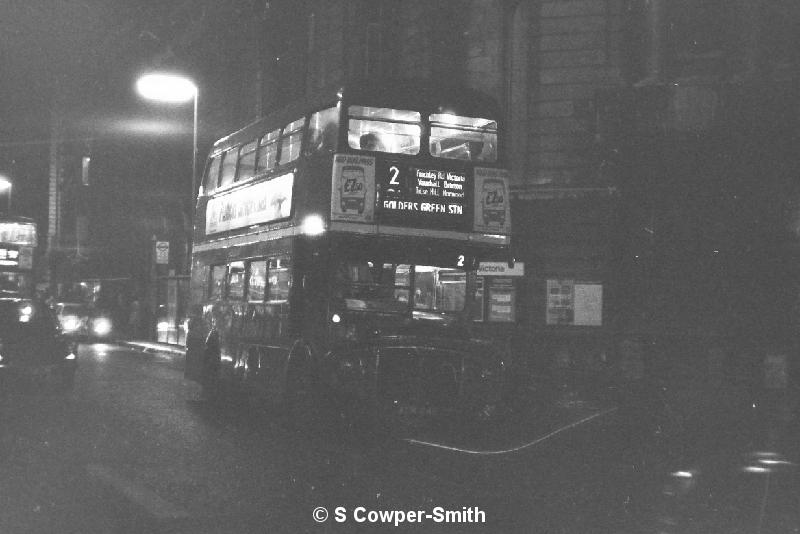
(559, 302)
(492, 213)
(574, 303)
(501, 300)
(259, 203)
(588, 304)
(353, 188)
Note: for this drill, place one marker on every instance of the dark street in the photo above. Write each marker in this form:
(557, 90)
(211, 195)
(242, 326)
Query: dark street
(132, 450)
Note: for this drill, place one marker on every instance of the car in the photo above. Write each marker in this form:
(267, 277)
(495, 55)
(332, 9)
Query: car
(33, 347)
(81, 321)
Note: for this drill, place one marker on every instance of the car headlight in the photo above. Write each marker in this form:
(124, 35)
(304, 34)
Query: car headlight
(101, 326)
(70, 323)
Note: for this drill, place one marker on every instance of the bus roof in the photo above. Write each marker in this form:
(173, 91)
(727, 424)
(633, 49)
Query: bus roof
(400, 93)
(17, 219)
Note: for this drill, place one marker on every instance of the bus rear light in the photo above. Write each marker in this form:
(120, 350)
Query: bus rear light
(313, 225)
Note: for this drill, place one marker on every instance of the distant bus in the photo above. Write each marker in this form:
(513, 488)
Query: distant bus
(336, 249)
(18, 241)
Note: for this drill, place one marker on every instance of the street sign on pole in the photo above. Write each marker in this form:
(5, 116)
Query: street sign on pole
(162, 252)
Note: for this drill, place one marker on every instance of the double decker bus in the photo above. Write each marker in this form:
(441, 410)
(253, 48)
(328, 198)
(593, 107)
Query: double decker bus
(18, 241)
(337, 249)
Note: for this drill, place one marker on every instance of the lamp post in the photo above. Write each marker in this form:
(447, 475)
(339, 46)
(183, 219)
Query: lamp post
(173, 88)
(5, 183)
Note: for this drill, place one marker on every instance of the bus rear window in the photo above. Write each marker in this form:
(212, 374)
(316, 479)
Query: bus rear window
(384, 130)
(465, 138)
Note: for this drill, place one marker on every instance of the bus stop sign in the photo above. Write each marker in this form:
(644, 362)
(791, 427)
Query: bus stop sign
(162, 252)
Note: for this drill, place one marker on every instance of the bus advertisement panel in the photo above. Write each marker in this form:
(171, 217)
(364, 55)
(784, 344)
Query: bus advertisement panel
(492, 202)
(353, 188)
(259, 203)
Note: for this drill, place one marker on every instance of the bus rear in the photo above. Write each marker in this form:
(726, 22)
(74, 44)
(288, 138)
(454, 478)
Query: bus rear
(349, 247)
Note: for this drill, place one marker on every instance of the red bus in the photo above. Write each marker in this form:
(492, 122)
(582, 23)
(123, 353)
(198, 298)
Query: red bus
(336, 249)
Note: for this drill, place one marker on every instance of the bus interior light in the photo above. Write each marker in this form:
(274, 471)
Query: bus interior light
(313, 225)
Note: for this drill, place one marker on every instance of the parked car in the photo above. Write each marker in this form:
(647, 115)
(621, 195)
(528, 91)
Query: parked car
(80, 321)
(32, 346)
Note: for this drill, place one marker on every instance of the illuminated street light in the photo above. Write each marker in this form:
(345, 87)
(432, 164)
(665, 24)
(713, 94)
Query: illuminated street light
(5, 184)
(173, 88)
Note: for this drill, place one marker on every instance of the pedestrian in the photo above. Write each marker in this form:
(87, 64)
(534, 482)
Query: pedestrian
(134, 319)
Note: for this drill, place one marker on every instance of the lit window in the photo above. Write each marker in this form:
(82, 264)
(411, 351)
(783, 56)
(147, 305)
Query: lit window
(279, 281)
(247, 162)
(236, 280)
(218, 281)
(323, 128)
(268, 152)
(257, 281)
(290, 141)
(466, 138)
(384, 130)
(212, 174)
(228, 170)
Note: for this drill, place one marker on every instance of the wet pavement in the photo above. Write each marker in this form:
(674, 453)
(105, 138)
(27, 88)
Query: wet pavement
(131, 449)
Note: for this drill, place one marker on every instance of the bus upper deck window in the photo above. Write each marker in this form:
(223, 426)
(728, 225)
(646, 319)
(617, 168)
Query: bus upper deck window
(384, 130)
(247, 162)
(323, 127)
(465, 138)
(228, 170)
(291, 138)
(268, 152)
(212, 174)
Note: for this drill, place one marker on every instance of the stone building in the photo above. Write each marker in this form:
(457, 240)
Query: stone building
(652, 144)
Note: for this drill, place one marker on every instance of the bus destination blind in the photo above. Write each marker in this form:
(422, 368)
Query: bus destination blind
(419, 196)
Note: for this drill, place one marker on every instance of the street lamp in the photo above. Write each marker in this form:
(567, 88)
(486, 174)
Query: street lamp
(173, 88)
(5, 183)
